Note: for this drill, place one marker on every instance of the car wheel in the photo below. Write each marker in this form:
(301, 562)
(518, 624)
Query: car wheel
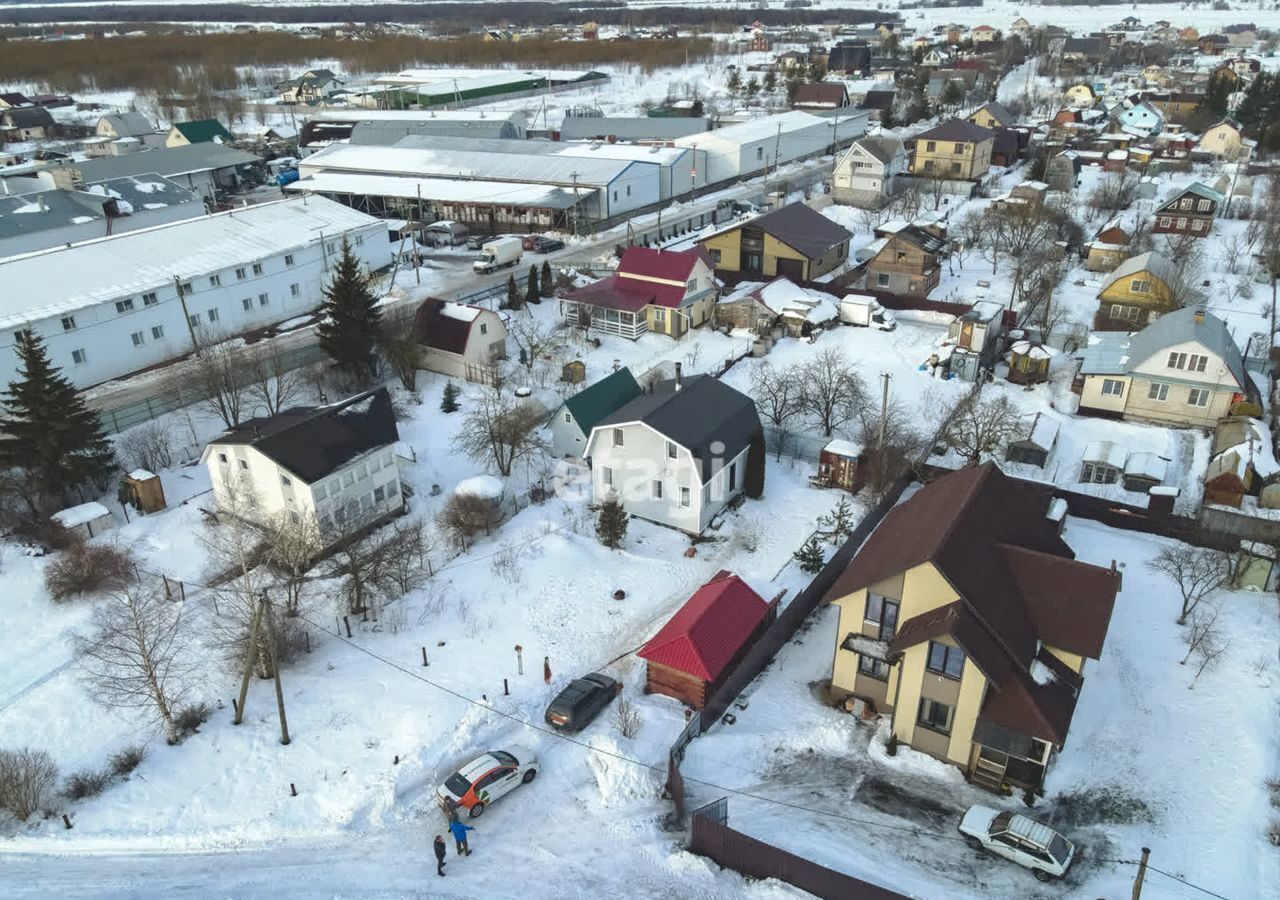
(974, 843)
(529, 776)
(476, 811)
(1042, 875)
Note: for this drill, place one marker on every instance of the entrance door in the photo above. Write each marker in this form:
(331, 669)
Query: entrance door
(791, 268)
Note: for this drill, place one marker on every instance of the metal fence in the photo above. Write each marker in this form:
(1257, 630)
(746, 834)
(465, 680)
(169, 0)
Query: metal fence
(795, 444)
(713, 838)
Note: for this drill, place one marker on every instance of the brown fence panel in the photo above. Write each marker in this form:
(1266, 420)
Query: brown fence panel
(713, 838)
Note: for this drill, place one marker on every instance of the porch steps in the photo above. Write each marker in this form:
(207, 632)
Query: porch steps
(988, 774)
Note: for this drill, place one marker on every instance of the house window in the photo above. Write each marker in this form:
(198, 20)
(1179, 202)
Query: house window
(1177, 360)
(882, 279)
(691, 285)
(222, 458)
(157, 332)
(1196, 362)
(955, 168)
(715, 257)
(215, 281)
(79, 356)
(872, 667)
(257, 268)
(138, 339)
(241, 274)
(1165, 221)
(243, 464)
(930, 146)
(685, 498)
(959, 149)
(1184, 203)
(733, 477)
(934, 715)
(628, 190)
(123, 306)
(1112, 387)
(484, 328)
(1204, 206)
(149, 299)
(1125, 313)
(247, 303)
(568, 418)
(759, 153)
(294, 290)
(213, 315)
(1140, 286)
(284, 479)
(882, 612)
(294, 517)
(288, 259)
(392, 488)
(1158, 391)
(1197, 224)
(348, 479)
(671, 450)
(945, 660)
(1097, 473)
(359, 240)
(606, 476)
(615, 196)
(1198, 397)
(264, 299)
(657, 490)
(194, 319)
(617, 437)
(186, 288)
(379, 494)
(659, 316)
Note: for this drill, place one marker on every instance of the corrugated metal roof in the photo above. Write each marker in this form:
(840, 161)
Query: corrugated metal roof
(708, 631)
(444, 190)
(632, 127)
(168, 161)
(62, 280)
(592, 404)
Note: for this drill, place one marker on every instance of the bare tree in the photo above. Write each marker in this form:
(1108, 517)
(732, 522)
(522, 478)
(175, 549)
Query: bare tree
(935, 189)
(1204, 641)
(220, 372)
(400, 346)
(831, 391)
(1186, 252)
(536, 338)
(270, 383)
(132, 653)
(1234, 252)
(148, 446)
(27, 777)
(1115, 191)
(902, 445)
(1197, 572)
(777, 396)
(500, 431)
(466, 515)
(292, 543)
(979, 427)
(626, 718)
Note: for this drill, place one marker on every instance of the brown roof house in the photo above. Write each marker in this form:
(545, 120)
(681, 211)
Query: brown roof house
(906, 259)
(793, 240)
(967, 620)
(821, 95)
(460, 340)
(957, 149)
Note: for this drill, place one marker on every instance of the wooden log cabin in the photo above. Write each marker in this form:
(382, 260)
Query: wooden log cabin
(692, 655)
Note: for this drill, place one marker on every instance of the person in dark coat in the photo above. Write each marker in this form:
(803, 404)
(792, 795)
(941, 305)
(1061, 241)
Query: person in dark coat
(460, 836)
(440, 851)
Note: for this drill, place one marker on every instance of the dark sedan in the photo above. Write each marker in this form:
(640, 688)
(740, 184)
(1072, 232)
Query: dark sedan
(538, 243)
(578, 704)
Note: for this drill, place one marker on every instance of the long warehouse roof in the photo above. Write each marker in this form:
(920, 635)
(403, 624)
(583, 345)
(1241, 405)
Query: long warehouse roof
(658, 155)
(63, 280)
(445, 190)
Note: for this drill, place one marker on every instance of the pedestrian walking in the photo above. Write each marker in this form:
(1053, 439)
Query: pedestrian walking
(440, 852)
(460, 836)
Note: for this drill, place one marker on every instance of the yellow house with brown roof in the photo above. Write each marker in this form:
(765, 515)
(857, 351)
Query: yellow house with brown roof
(957, 150)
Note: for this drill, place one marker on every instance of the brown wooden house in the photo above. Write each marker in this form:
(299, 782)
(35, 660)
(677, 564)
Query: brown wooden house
(692, 655)
(906, 261)
(838, 466)
(1189, 212)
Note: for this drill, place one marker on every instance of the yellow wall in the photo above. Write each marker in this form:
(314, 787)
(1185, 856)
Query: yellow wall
(729, 245)
(774, 250)
(1175, 409)
(1074, 661)
(1091, 394)
(844, 668)
(1119, 291)
(985, 119)
(974, 159)
(972, 690)
(908, 699)
(923, 589)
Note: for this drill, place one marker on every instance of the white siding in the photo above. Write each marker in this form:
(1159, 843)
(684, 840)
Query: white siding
(567, 438)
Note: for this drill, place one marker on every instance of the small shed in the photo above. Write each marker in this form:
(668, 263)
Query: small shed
(489, 487)
(838, 466)
(143, 490)
(86, 520)
(1102, 463)
(1143, 471)
(1028, 363)
(1034, 449)
(692, 655)
(1161, 498)
(1228, 478)
(574, 372)
(1057, 513)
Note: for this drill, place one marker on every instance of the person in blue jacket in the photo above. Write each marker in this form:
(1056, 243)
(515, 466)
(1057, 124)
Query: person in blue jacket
(460, 836)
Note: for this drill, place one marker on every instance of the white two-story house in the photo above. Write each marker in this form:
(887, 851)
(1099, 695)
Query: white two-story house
(867, 174)
(678, 454)
(334, 466)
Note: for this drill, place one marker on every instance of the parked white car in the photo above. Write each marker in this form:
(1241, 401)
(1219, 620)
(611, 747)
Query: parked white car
(1024, 841)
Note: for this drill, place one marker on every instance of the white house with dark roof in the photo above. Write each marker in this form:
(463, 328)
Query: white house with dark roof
(867, 174)
(334, 466)
(676, 455)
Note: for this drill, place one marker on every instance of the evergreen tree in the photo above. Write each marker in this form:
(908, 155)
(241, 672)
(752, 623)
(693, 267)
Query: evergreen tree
(793, 86)
(770, 81)
(531, 288)
(52, 436)
(952, 94)
(753, 86)
(449, 401)
(548, 285)
(513, 292)
(753, 477)
(696, 108)
(734, 80)
(886, 117)
(350, 318)
(611, 526)
(840, 521)
(1217, 94)
(810, 556)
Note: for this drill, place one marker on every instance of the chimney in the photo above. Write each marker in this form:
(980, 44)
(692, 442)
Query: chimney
(1199, 315)
(679, 378)
(256, 433)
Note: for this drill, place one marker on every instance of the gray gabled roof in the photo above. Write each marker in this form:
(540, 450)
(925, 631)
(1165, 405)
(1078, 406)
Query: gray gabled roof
(883, 147)
(1191, 323)
(961, 130)
(168, 162)
(129, 124)
(707, 417)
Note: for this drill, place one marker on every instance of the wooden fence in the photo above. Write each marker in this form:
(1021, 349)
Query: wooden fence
(713, 838)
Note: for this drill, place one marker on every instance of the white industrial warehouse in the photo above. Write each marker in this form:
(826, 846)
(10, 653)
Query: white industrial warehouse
(113, 306)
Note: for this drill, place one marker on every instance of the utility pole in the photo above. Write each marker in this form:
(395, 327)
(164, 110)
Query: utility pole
(191, 329)
(777, 155)
(884, 410)
(251, 657)
(574, 176)
(1142, 873)
(273, 647)
(260, 611)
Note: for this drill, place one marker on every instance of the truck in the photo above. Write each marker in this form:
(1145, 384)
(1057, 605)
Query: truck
(498, 254)
(859, 309)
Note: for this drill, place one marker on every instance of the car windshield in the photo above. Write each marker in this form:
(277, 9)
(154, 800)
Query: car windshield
(457, 785)
(1000, 822)
(1059, 849)
(505, 758)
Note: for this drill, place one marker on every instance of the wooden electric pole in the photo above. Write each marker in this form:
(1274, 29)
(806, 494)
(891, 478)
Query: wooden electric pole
(261, 612)
(1142, 873)
(274, 648)
(884, 410)
(251, 656)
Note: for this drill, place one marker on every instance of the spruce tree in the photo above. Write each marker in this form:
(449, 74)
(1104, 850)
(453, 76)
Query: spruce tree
(548, 285)
(840, 521)
(531, 287)
(810, 556)
(513, 292)
(350, 318)
(611, 526)
(449, 401)
(753, 479)
(734, 80)
(49, 432)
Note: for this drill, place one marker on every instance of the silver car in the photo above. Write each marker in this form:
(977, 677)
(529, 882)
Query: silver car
(1024, 841)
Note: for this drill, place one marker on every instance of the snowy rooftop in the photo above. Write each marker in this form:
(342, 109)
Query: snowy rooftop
(1105, 452)
(461, 311)
(489, 486)
(842, 447)
(399, 115)
(65, 279)
(444, 190)
(78, 515)
(1146, 465)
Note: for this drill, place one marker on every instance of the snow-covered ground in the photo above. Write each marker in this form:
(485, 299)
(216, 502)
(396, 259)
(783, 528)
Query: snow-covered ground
(1150, 761)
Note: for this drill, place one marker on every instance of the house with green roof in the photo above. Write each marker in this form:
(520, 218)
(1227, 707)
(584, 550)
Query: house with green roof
(576, 417)
(201, 131)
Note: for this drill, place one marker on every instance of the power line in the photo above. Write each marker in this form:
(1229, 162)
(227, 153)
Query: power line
(1203, 890)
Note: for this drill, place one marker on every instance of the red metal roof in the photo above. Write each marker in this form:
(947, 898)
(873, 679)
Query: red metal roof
(671, 265)
(705, 634)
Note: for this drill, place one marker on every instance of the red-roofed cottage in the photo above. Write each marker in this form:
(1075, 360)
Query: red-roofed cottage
(706, 638)
(667, 291)
(459, 340)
